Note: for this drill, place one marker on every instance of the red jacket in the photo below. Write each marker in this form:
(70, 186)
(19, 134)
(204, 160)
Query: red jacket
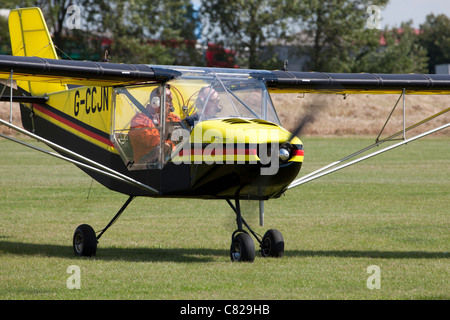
(144, 136)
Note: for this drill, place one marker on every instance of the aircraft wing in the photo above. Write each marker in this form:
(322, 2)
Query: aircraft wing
(111, 74)
(351, 83)
(87, 73)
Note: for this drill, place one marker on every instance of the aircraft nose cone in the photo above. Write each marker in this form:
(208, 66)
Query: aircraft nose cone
(284, 154)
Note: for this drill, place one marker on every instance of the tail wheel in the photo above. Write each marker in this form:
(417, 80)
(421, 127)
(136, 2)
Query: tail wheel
(84, 241)
(242, 248)
(272, 244)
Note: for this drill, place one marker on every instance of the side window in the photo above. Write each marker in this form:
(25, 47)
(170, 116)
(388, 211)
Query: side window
(144, 119)
(136, 127)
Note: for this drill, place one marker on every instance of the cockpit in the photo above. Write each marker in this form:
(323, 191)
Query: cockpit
(152, 120)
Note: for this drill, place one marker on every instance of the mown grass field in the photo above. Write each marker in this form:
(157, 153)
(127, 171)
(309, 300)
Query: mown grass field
(392, 211)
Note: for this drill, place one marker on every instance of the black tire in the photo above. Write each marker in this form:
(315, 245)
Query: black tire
(272, 244)
(242, 248)
(84, 241)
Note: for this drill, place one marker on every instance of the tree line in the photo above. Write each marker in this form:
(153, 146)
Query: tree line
(332, 35)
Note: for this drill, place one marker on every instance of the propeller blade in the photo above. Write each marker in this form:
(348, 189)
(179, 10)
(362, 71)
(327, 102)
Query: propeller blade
(307, 119)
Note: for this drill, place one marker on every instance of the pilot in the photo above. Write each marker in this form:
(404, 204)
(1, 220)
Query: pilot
(209, 111)
(144, 134)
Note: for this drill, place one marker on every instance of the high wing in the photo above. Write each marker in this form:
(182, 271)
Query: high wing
(87, 73)
(353, 83)
(111, 74)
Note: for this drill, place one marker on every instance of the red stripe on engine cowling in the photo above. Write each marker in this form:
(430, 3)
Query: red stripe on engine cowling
(218, 152)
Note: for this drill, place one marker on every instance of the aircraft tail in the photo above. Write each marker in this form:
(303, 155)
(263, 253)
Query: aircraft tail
(30, 38)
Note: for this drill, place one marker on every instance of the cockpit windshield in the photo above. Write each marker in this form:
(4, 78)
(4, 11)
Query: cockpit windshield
(207, 93)
(146, 115)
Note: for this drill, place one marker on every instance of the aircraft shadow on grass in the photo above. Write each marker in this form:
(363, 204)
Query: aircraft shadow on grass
(196, 255)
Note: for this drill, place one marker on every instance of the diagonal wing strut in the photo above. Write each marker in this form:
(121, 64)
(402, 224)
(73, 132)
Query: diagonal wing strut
(83, 161)
(332, 167)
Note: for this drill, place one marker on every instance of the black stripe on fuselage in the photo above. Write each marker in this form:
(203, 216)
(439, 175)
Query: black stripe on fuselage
(75, 121)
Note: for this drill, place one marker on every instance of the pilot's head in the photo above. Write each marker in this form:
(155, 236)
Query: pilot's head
(212, 99)
(155, 100)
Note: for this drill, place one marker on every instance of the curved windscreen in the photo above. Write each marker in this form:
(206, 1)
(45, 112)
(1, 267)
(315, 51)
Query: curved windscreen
(145, 116)
(208, 93)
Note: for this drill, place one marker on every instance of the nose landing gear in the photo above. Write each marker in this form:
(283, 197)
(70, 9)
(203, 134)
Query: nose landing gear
(242, 246)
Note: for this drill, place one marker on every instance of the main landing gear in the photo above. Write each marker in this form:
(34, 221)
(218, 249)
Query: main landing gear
(85, 240)
(242, 246)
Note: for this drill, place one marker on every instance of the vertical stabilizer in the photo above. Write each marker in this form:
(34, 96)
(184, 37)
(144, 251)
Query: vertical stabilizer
(30, 38)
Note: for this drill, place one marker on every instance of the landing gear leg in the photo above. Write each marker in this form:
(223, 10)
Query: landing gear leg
(242, 246)
(84, 239)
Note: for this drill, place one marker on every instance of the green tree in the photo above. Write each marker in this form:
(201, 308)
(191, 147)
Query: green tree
(244, 25)
(54, 11)
(435, 37)
(55, 14)
(5, 42)
(338, 33)
(146, 31)
(341, 39)
(401, 53)
(142, 31)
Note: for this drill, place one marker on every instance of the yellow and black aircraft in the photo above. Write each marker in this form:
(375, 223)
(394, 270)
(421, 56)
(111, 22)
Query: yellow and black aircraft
(173, 131)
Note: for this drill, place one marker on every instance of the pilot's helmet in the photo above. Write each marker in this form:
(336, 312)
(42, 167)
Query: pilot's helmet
(205, 92)
(156, 99)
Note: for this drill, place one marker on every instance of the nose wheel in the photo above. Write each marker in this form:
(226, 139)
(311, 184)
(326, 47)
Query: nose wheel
(242, 246)
(272, 244)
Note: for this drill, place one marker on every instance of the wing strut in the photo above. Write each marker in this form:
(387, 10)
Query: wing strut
(10, 81)
(86, 163)
(323, 171)
(332, 166)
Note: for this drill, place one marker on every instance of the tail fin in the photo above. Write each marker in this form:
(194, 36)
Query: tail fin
(30, 38)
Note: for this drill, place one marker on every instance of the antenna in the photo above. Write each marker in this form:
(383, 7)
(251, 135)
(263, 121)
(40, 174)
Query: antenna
(105, 59)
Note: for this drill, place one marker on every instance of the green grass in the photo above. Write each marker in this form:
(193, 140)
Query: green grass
(391, 211)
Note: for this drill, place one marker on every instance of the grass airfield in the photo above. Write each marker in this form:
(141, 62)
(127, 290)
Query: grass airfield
(391, 211)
